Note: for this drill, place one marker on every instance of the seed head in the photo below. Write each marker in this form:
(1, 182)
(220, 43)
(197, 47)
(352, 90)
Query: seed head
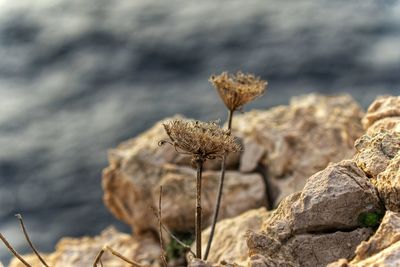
(201, 140)
(238, 90)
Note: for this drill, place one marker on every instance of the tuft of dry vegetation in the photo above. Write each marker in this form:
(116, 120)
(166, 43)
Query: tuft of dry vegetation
(235, 91)
(201, 140)
(238, 89)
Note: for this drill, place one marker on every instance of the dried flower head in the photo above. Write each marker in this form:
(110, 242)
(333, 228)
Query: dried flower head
(202, 140)
(238, 90)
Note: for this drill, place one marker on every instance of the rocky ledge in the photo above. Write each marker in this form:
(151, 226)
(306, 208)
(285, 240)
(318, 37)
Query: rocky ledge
(332, 173)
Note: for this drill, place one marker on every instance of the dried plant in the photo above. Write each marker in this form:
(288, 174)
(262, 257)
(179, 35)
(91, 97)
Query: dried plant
(97, 260)
(238, 90)
(24, 262)
(15, 253)
(203, 141)
(235, 91)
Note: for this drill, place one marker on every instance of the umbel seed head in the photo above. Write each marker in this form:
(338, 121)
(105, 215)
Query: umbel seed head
(201, 140)
(239, 89)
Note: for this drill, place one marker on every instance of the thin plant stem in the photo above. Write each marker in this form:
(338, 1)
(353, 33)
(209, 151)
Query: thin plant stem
(198, 226)
(115, 253)
(119, 255)
(13, 251)
(163, 259)
(98, 257)
(188, 248)
(219, 194)
(21, 222)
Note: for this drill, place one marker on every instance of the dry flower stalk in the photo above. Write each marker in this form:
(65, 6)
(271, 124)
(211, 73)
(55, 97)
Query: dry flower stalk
(97, 260)
(235, 91)
(203, 141)
(238, 90)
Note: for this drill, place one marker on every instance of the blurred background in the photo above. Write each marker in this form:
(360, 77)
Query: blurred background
(78, 77)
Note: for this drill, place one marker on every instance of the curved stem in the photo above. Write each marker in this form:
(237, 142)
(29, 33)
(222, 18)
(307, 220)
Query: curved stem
(198, 226)
(13, 251)
(21, 222)
(219, 194)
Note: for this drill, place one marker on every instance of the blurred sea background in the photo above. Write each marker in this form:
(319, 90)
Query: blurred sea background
(78, 77)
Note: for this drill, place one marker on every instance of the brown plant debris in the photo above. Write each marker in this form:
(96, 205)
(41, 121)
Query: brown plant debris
(202, 140)
(239, 89)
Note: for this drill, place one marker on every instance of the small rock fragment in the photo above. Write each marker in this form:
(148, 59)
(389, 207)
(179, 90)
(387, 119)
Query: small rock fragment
(388, 185)
(382, 107)
(375, 152)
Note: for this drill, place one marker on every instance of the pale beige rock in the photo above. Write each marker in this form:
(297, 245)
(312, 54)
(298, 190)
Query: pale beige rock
(388, 184)
(382, 249)
(229, 244)
(292, 142)
(319, 224)
(375, 152)
(387, 234)
(389, 257)
(391, 124)
(304, 250)
(331, 200)
(80, 252)
(241, 193)
(131, 187)
(199, 263)
(382, 107)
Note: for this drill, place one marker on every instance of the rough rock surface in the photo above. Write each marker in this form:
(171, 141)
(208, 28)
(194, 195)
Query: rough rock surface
(374, 152)
(332, 199)
(382, 249)
(229, 242)
(290, 143)
(310, 227)
(131, 186)
(382, 108)
(388, 184)
(199, 263)
(79, 252)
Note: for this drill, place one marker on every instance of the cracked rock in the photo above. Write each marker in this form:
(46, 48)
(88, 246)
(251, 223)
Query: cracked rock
(323, 128)
(319, 224)
(229, 243)
(131, 187)
(384, 107)
(374, 152)
(382, 249)
(388, 184)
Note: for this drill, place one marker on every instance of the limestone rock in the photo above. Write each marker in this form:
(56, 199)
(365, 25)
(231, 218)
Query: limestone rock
(319, 224)
(388, 184)
(131, 186)
(305, 250)
(323, 128)
(387, 234)
(199, 263)
(331, 200)
(229, 244)
(78, 252)
(382, 249)
(382, 107)
(391, 124)
(375, 152)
